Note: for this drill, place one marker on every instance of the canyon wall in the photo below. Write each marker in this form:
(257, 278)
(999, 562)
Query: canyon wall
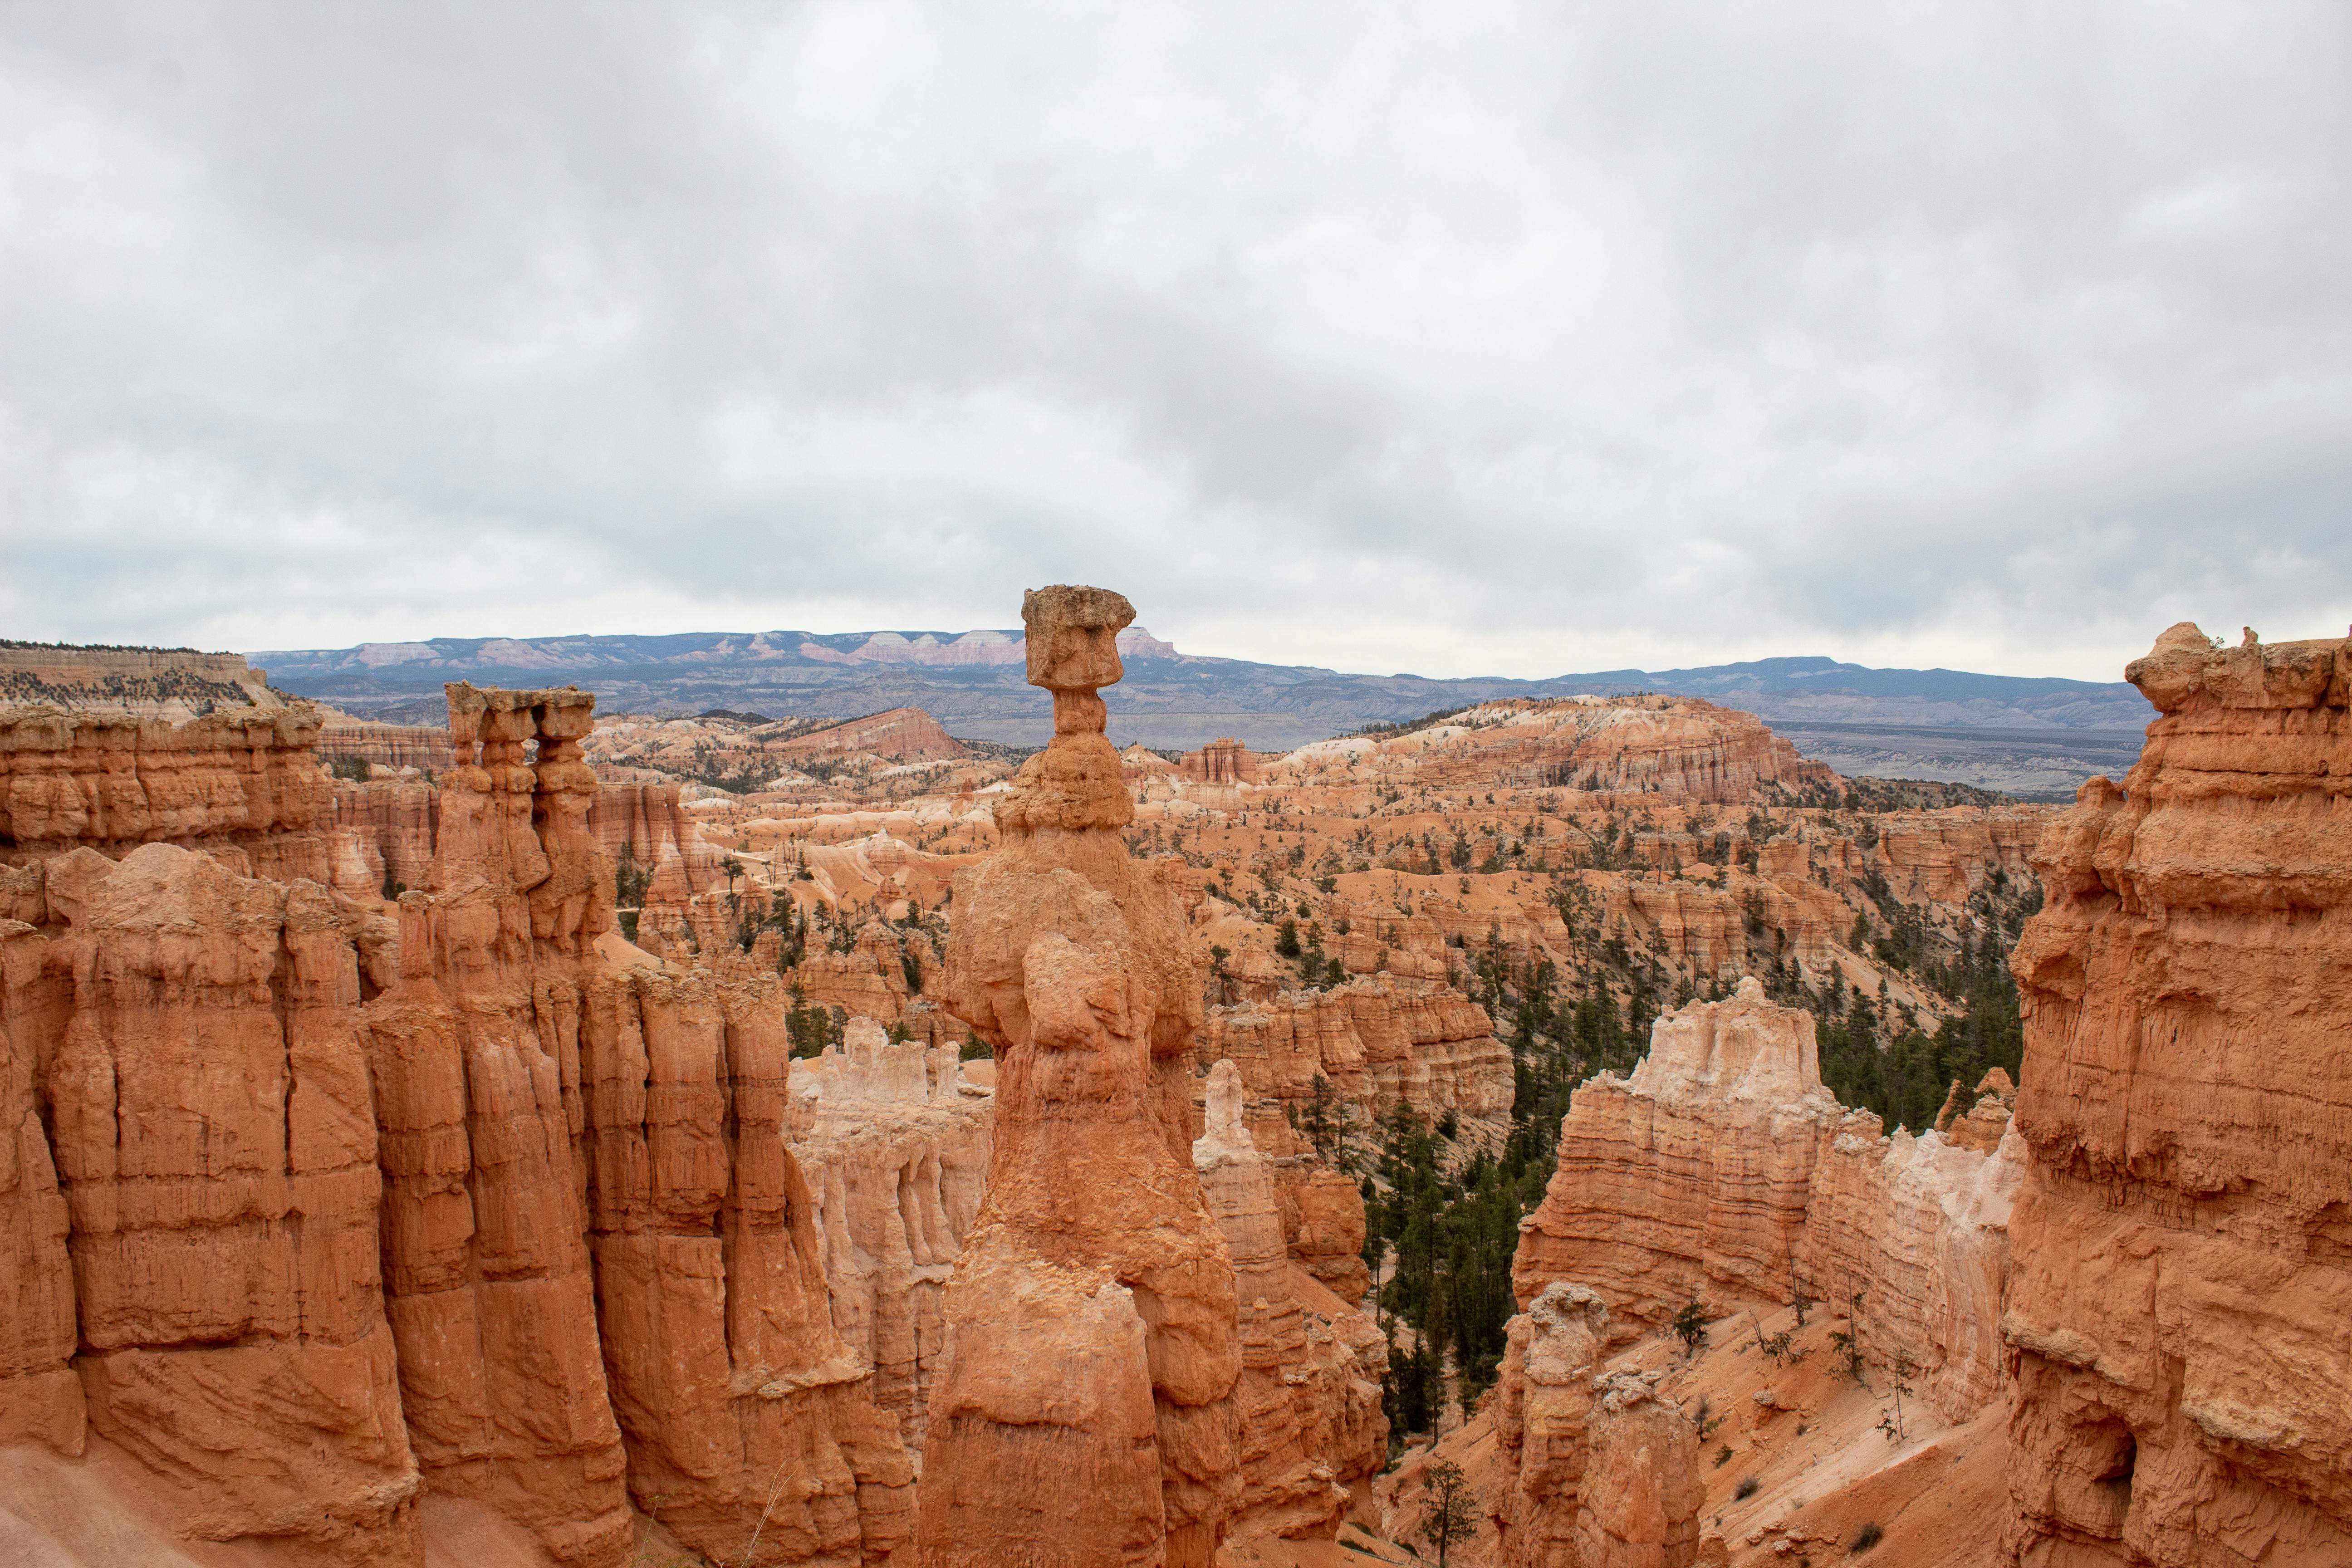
(2183, 1238)
(641, 820)
(750, 1427)
(172, 683)
(190, 1035)
(310, 1215)
(1224, 760)
(1681, 750)
(385, 746)
(1593, 1469)
(1722, 1169)
(396, 822)
(895, 1142)
(1311, 1421)
(242, 782)
(1375, 1041)
(389, 826)
(898, 734)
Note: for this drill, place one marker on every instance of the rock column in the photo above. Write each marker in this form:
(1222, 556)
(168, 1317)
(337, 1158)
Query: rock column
(1311, 1419)
(475, 1059)
(2179, 1315)
(1083, 1413)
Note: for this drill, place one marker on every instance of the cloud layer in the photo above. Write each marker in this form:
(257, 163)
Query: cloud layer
(1457, 339)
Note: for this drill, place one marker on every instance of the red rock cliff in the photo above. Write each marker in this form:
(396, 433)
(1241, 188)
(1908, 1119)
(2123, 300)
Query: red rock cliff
(1723, 1168)
(307, 1218)
(2182, 1307)
(241, 780)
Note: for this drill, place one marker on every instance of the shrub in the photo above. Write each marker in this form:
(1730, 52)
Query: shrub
(1748, 1487)
(1868, 1536)
(1690, 1326)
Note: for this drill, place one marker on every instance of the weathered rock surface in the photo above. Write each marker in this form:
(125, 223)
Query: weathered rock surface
(240, 780)
(1722, 1167)
(750, 1424)
(1543, 1413)
(1084, 1410)
(302, 1255)
(40, 1398)
(1327, 1234)
(898, 735)
(476, 1069)
(391, 825)
(1592, 1467)
(393, 746)
(1310, 1399)
(641, 820)
(2183, 1297)
(1637, 1505)
(1224, 760)
(1682, 749)
(894, 1141)
(1375, 1041)
(172, 684)
(208, 1105)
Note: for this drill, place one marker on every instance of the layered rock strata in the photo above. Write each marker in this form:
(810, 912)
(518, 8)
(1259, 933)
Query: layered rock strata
(894, 1141)
(750, 1427)
(642, 821)
(241, 782)
(1224, 760)
(1084, 1410)
(40, 1398)
(1682, 750)
(1377, 1042)
(1593, 1469)
(1722, 1168)
(898, 735)
(308, 1216)
(394, 746)
(2182, 1305)
(1311, 1421)
(174, 683)
(475, 1058)
(390, 827)
(577, 1164)
(186, 1037)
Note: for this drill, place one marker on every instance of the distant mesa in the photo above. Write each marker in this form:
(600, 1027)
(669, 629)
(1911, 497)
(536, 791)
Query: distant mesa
(2033, 736)
(148, 682)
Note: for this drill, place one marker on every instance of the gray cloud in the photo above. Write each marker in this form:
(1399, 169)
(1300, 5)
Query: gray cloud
(1460, 339)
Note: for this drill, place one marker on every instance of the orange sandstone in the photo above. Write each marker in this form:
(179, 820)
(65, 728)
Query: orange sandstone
(1084, 1410)
(2179, 1311)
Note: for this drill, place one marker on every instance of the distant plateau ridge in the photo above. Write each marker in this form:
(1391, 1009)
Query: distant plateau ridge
(2030, 736)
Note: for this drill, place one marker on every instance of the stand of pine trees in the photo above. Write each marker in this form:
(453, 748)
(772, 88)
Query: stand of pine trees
(1442, 1221)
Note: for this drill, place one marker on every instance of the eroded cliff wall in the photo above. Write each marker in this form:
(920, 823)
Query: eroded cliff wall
(894, 1142)
(310, 1215)
(241, 780)
(2181, 1308)
(1311, 1421)
(1721, 1169)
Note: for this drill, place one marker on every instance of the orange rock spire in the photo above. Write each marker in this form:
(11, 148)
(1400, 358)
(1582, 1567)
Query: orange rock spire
(1084, 1409)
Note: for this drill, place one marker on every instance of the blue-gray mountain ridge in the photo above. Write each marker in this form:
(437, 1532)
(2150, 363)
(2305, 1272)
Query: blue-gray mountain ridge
(1929, 723)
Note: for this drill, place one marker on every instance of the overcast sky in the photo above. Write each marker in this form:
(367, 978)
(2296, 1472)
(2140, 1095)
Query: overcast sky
(1458, 339)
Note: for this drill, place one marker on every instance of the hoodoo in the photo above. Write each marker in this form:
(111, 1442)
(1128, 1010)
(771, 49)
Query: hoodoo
(1083, 1411)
